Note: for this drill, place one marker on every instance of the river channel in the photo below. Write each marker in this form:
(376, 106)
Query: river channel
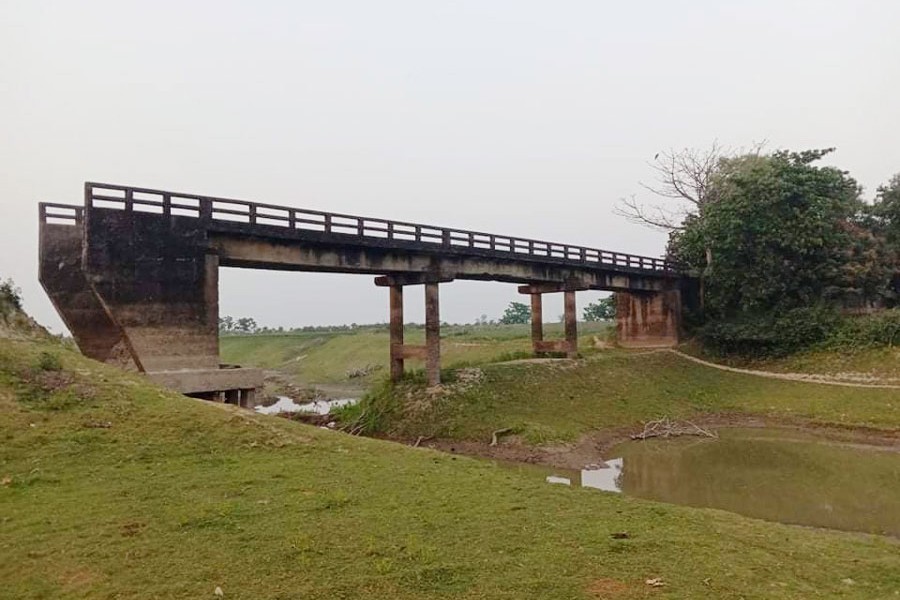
(772, 474)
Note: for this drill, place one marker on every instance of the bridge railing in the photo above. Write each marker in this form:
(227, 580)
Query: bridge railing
(60, 214)
(161, 202)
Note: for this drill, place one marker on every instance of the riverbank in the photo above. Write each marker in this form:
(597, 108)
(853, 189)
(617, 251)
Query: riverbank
(549, 403)
(113, 487)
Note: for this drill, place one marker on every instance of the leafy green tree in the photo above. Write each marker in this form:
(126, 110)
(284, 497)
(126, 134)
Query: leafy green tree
(516, 314)
(884, 214)
(246, 325)
(780, 234)
(226, 324)
(602, 310)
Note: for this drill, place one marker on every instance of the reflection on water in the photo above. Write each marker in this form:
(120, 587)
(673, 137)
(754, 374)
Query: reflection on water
(769, 474)
(319, 407)
(606, 478)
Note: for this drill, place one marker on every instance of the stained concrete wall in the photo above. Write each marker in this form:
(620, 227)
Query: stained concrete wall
(648, 319)
(62, 277)
(155, 277)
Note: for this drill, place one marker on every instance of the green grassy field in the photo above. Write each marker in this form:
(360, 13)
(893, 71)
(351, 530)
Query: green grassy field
(560, 401)
(326, 358)
(112, 488)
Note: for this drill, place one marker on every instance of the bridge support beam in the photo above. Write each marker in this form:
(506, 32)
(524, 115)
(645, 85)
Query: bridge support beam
(648, 319)
(399, 351)
(570, 344)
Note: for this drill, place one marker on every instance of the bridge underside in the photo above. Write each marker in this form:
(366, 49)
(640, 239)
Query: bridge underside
(140, 289)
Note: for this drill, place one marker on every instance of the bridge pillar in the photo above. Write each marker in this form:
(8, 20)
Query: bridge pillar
(571, 319)
(432, 335)
(648, 319)
(537, 321)
(570, 344)
(399, 351)
(396, 328)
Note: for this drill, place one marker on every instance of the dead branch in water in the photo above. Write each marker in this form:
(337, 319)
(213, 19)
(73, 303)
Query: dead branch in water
(666, 428)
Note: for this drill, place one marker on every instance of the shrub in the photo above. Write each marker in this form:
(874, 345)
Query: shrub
(10, 298)
(866, 331)
(48, 361)
(762, 335)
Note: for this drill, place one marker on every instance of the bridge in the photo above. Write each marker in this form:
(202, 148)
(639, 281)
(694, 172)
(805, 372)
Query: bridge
(133, 273)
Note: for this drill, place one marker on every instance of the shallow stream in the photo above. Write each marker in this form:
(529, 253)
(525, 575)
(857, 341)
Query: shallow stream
(317, 407)
(772, 474)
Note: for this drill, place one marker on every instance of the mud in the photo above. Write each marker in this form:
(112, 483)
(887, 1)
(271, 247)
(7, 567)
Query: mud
(591, 447)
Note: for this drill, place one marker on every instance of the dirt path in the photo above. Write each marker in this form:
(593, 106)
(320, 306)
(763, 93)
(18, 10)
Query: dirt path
(804, 377)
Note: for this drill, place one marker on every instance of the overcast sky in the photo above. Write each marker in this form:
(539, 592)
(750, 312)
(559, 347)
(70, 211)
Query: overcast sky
(522, 118)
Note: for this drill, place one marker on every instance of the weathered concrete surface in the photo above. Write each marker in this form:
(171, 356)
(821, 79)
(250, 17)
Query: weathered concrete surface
(158, 282)
(198, 381)
(60, 273)
(253, 252)
(648, 320)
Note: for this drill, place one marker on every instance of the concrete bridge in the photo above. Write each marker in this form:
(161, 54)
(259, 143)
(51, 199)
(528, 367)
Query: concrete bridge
(134, 275)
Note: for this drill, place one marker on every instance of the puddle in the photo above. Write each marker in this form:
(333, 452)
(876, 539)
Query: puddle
(769, 474)
(317, 407)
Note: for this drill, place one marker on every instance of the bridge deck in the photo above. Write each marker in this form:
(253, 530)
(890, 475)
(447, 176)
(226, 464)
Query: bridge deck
(230, 216)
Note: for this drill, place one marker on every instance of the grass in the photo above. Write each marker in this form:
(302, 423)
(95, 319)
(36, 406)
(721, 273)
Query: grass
(858, 364)
(327, 358)
(112, 488)
(561, 401)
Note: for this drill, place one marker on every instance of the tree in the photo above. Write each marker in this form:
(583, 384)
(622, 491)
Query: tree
(683, 183)
(602, 310)
(516, 314)
(779, 232)
(246, 325)
(226, 324)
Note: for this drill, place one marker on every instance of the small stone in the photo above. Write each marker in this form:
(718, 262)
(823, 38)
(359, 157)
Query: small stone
(218, 592)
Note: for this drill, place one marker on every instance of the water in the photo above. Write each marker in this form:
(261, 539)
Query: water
(769, 474)
(318, 407)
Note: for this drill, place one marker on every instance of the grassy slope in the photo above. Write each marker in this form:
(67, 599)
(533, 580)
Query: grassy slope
(561, 401)
(177, 497)
(312, 358)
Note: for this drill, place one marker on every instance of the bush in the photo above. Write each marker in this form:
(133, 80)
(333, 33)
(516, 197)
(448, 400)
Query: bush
(866, 331)
(10, 298)
(48, 361)
(769, 335)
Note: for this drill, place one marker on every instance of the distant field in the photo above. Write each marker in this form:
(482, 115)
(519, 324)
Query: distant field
(326, 358)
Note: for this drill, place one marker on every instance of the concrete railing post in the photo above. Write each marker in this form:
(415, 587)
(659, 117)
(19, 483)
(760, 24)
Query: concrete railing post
(432, 335)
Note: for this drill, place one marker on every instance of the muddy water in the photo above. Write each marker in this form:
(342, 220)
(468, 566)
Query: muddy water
(769, 474)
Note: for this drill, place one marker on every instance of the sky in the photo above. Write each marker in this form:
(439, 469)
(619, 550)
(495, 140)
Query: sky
(515, 117)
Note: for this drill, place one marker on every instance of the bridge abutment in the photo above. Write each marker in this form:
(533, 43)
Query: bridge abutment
(648, 319)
